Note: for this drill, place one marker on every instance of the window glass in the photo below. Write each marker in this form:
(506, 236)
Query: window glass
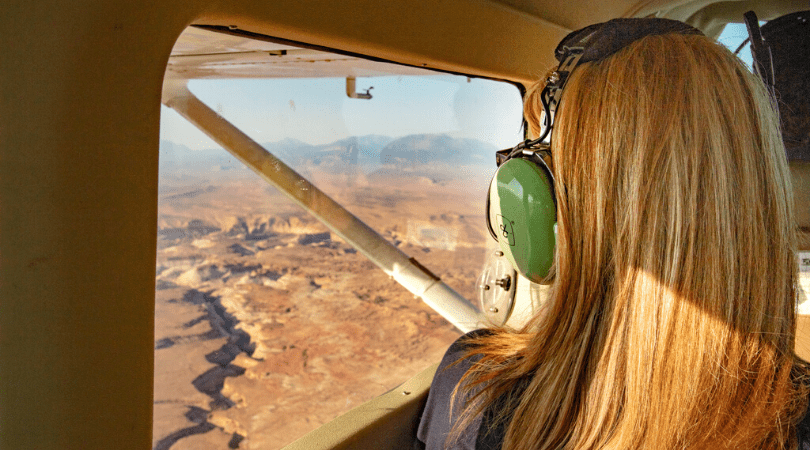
(267, 324)
(733, 37)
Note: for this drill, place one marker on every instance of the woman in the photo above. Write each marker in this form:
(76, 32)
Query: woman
(671, 319)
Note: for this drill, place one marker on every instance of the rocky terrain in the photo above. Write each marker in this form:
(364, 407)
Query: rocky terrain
(267, 325)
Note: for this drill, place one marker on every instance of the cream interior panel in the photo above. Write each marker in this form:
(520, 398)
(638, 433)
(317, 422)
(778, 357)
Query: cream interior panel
(79, 130)
(388, 421)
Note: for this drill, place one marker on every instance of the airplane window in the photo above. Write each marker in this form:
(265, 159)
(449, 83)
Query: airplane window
(267, 324)
(733, 37)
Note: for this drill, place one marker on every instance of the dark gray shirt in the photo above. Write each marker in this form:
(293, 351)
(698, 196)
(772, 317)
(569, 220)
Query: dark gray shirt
(437, 419)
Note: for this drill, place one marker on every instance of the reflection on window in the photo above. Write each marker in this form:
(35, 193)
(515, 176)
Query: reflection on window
(267, 324)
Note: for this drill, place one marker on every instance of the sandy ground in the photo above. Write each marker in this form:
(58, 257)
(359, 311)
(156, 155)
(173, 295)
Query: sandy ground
(268, 326)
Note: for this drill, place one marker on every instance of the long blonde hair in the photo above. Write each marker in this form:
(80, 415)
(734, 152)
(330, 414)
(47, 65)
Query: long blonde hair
(671, 319)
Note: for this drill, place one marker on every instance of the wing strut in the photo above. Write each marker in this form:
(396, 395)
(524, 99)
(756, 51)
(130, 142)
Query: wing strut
(407, 272)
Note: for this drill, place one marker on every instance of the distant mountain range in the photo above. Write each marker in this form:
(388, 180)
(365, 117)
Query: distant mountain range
(420, 149)
(372, 153)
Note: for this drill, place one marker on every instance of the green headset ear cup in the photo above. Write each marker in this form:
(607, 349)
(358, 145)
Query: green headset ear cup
(523, 215)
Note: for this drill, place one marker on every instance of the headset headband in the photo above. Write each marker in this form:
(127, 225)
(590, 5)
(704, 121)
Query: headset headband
(595, 43)
(592, 43)
(521, 203)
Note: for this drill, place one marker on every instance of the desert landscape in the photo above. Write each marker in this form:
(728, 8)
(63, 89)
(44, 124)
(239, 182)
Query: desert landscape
(268, 325)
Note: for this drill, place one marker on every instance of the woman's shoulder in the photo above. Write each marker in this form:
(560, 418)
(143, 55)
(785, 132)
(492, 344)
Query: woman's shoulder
(437, 418)
(461, 346)
(456, 362)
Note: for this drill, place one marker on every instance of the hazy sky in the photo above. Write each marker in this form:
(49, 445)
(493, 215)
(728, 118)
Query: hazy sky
(317, 111)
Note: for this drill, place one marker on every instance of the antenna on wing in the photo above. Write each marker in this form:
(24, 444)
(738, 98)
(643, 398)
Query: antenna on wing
(351, 89)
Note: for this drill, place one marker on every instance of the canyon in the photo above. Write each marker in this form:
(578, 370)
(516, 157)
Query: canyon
(268, 325)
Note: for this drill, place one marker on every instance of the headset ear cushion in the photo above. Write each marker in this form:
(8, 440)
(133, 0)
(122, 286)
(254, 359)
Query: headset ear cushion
(493, 207)
(523, 215)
